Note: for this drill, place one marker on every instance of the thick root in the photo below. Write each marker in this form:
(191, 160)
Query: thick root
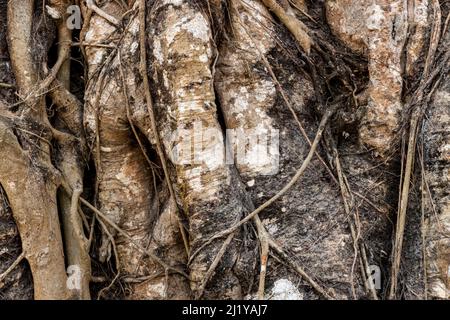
(114, 111)
(436, 191)
(208, 189)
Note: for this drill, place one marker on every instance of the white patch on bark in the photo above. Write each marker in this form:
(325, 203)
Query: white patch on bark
(123, 178)
(272, 229)
(256, 148)
(54, 13)
(105, 149)
(421, 12)
(284, 289)
(376, 17)
(157, 51)
(159, 288)
(264, 90)
(197, 26)
(439, 290)
(12, 185)
(166, 79)
(43, 257)
(241, 103)
(442, 96)
(98, 57)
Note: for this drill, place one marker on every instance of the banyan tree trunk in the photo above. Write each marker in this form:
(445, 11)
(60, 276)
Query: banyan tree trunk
(224, 149)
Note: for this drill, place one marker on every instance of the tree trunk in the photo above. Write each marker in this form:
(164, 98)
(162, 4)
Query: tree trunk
(224, 149)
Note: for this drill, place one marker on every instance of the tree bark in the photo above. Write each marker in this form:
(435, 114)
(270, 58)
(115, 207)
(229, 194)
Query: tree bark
(224, 149)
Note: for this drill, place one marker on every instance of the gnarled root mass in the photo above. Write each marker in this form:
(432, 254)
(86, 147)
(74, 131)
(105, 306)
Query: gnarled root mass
(224, 149)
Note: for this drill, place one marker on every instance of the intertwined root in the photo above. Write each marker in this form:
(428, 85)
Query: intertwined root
(163, 210)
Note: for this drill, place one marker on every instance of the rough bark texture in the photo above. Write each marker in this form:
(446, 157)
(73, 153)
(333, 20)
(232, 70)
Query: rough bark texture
(436, 226)
(210, 193)
(17, 286)
(130, 172)
(125, 184)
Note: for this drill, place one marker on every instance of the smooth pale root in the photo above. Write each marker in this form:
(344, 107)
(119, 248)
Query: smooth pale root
(33, 196)
(41, 240)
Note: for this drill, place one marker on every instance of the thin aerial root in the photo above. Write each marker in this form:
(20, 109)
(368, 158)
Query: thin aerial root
(417, 113)
(92, 6)
(7, 85)
(265, 247)
(354, 223)
(401, 217)
(295, 26)
(12, 267)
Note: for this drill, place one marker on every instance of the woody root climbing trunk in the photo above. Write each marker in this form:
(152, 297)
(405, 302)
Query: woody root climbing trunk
(224, 149)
